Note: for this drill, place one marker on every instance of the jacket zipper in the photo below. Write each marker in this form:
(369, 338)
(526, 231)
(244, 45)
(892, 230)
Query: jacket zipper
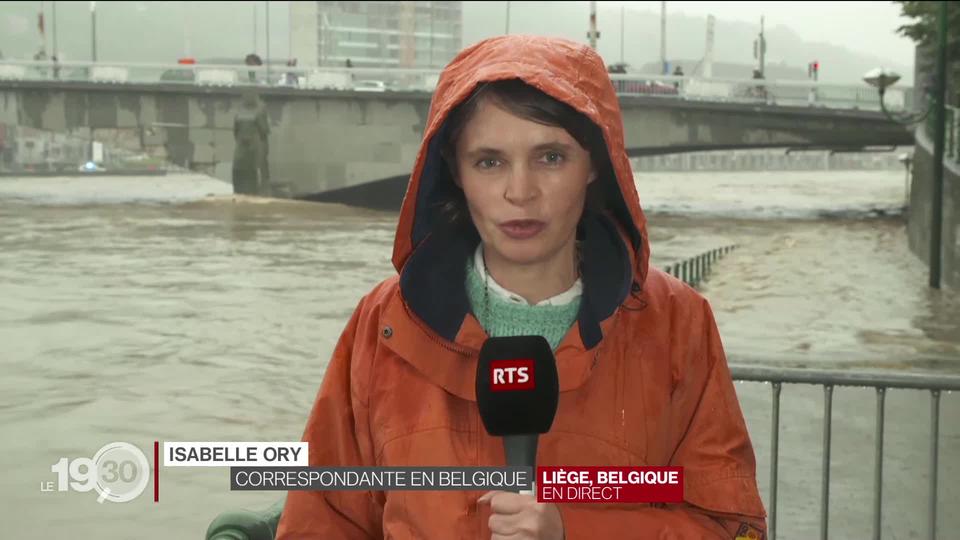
(433, 336)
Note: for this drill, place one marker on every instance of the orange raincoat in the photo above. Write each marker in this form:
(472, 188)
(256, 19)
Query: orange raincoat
(643, 377)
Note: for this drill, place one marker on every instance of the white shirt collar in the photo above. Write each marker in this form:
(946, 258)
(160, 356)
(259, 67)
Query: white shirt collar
(563, 298)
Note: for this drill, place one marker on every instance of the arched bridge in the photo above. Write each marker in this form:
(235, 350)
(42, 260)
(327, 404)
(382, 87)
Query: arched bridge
(354, 141)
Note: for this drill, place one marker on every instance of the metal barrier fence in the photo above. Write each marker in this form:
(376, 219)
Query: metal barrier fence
(752, 91)
(935, 384)
(951, 138)
(695, 269)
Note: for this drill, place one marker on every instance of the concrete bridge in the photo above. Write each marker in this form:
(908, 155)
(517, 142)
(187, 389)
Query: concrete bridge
(359, 146)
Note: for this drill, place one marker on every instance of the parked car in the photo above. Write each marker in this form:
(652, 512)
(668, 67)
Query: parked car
(178, 75)
(370, 86)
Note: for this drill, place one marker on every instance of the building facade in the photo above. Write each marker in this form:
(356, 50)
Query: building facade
(405, 34)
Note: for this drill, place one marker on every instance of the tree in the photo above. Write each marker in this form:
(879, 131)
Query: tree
(923, 31)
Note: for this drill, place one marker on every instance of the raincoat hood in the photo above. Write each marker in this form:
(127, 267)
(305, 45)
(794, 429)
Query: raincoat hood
(567, 71)
(616, 255)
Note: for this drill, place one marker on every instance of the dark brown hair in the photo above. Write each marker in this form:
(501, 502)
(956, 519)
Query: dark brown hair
(531, 104)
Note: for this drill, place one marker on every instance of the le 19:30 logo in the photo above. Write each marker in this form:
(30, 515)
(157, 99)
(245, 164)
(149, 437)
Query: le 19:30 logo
(119, 472)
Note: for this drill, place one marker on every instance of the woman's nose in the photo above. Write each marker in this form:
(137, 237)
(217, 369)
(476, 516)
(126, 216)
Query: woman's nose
(521, 186)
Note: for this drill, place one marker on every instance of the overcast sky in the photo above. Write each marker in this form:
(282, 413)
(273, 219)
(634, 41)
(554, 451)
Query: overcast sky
(129, 33)
(868, 27)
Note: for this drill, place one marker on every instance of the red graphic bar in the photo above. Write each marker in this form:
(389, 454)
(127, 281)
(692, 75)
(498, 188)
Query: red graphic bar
(610, 484)
(156, 471)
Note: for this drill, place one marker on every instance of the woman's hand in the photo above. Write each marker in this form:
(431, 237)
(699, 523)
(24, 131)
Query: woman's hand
(514, 517)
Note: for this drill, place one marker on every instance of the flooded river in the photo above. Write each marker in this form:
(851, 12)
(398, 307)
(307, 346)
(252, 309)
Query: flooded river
(162, 308)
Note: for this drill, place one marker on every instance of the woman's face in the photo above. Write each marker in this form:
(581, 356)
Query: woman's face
(525, 184)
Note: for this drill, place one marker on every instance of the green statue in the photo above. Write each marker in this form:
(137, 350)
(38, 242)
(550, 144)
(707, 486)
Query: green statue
(251, 129)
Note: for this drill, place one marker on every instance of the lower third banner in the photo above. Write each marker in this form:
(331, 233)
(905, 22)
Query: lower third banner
(379, 478)
(610, 484)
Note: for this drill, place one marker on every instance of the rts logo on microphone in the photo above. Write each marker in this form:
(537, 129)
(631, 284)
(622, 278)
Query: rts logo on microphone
(516, 374)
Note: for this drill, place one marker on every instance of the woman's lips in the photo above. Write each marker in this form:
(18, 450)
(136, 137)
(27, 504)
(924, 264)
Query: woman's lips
(521, 229)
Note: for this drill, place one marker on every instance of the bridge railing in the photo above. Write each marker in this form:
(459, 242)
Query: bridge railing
(768, 92)
(357, 78)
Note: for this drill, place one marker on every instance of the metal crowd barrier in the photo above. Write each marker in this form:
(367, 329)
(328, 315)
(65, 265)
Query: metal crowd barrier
(695, 269)
(935, 384)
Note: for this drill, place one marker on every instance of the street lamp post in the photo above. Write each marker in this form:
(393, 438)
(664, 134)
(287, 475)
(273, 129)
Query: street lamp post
(592, 35)
(506, 29)
(93, 31)
(56, 52)
(882, 79)
(622, 12)
(760, 50)
(663, 38)
(266, 26)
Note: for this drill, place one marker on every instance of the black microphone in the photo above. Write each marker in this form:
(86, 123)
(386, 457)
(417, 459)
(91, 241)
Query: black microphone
(517, 393)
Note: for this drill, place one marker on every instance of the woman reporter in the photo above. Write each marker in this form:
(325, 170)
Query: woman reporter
(522, 218)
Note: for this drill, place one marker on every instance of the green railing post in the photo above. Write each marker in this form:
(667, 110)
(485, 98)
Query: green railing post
(939, 127)
(694, 270)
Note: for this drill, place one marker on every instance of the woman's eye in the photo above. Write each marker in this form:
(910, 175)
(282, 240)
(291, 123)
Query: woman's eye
(488, 163)
(553, 158)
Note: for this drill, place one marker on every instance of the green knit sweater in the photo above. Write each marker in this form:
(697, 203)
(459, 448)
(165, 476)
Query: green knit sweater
(502, 318)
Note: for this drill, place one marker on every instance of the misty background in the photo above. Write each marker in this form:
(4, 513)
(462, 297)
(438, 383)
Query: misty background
(848, 38)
